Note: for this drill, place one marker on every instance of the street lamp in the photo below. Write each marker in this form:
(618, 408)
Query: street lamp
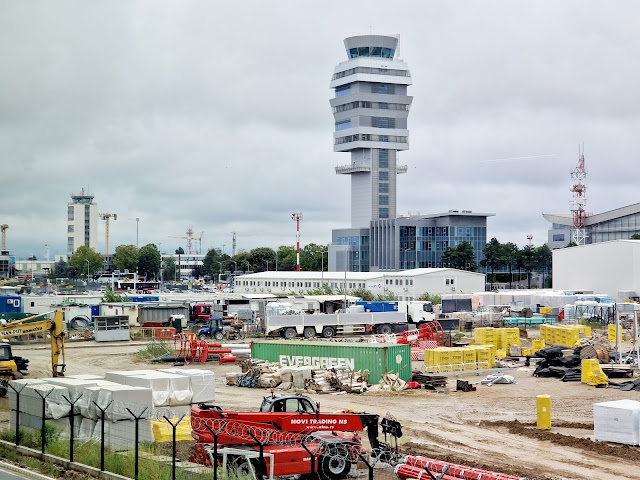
(235, 268)
(248, 266)
(87, 269)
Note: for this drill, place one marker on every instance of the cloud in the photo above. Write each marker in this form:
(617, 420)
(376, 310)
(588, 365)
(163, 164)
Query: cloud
(216, 116)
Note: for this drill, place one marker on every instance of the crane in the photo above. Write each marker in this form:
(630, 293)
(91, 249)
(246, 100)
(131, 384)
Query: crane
(4, 228)
(106, 217)
(189, 238)
(199, 238)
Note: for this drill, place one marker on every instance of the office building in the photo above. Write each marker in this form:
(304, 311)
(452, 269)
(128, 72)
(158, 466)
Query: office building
(82, 222)
(618, 224)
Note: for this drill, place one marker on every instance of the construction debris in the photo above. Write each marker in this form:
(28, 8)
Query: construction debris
(430, 382)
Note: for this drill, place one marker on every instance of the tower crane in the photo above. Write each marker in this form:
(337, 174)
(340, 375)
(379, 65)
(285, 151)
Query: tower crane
(4, 228)
(106, 217)
(190, 238)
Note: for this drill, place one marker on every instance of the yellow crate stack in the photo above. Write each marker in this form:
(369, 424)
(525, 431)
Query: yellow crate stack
(508, 336)
(537, 344)
(458, 359)
(502, 338)
(565, 335)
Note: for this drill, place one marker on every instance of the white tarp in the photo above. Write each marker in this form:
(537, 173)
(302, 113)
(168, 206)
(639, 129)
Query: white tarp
(202, 383)
(617, 421)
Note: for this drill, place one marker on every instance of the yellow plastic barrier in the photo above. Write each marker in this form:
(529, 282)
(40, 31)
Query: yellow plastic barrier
(592, 373)
(162, 431)
(611, 330)
(544, 412)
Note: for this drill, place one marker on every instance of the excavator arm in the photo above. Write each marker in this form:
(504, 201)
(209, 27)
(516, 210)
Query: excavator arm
(54, 326)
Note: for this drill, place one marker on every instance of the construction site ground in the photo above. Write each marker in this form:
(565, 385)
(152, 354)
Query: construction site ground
(493, 427)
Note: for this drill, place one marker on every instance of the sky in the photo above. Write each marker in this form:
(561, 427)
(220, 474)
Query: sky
(215, 116)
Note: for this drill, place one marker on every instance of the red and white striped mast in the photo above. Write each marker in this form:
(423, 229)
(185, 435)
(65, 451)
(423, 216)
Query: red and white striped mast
(297, 217)
(578, 212)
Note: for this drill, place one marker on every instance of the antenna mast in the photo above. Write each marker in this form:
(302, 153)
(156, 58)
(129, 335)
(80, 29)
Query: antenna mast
(297, 217)
(578, 212)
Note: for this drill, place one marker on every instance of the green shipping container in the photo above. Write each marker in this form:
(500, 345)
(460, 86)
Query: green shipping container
(378, 358)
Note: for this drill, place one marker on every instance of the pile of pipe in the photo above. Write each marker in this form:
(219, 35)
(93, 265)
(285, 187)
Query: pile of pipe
(413, 467)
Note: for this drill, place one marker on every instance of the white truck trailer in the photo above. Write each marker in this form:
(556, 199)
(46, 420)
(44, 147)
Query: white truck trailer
(290, 323)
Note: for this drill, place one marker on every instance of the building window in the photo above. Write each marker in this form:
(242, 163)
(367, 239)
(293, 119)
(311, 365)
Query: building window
(383, 88)
(383, 158)
(383, 200)
(343, 125)
(383, 106)
(343, 90)
(383, 212)
(383, 122)
(383, 188)
(69, 228)
(383, 176)
(558, 237)
(70, 214)
(447, 281)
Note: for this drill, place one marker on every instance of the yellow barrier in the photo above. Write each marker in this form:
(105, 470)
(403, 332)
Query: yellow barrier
(537, 344)
(611, 331)
(592, 373)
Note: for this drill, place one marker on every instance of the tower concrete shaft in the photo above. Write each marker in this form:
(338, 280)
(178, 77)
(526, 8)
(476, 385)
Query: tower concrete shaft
(370, 109)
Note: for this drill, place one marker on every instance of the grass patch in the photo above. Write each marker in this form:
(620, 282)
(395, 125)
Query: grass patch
(151, 351)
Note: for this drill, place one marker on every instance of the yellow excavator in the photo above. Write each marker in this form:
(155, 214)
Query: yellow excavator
(12, 367)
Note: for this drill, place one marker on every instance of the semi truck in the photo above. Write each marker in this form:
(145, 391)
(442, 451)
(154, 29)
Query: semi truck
(417, 313)
(289, 323)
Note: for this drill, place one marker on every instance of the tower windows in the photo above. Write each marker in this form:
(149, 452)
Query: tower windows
(383, 188)
(383, 122)
(383, 200)
(383, 212)
(383, 176)
(383, 88)
(343, 125)
(343, 90)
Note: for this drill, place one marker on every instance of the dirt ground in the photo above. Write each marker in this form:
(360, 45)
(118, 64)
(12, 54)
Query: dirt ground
(492, 428)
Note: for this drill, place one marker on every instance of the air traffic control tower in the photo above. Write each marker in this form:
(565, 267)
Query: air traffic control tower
(370, 109)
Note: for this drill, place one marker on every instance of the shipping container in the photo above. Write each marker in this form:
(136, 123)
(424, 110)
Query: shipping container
(379, 307)
(377, 358)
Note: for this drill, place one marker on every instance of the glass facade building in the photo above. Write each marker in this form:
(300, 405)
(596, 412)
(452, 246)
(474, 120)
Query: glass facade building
(619, 224)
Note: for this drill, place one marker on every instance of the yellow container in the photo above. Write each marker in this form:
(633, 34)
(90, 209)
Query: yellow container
(544, 412)
(501, 353)
(468, 355)
(456, 355)
(537, 344)
(526, 351)
(162, 431)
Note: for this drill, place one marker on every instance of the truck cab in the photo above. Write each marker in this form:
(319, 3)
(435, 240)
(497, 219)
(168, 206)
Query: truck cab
(287, 403)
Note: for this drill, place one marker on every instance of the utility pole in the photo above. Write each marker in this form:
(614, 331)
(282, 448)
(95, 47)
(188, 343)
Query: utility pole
(297, 217)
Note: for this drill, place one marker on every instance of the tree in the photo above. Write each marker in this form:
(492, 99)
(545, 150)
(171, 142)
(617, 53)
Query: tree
(388, 296)
(126, 258)
(83, 255)
(262, 258)
(62, 269)
(635, 236)
(510, 257)
(169, 272)
(461, 257)
(543, 260)
(179, 251)
(213, 262)
(149, 261)
(427, 297)
(286, 258)
(112, 297)
(528, 262)
(365, 294)
(493, 256)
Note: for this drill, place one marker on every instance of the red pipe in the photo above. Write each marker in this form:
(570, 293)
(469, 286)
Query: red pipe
(227, 358)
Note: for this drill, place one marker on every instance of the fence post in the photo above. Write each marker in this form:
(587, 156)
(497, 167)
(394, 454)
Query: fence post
(102, 410)
(137, 436)
(42, 429)
(215, 447)
(173, 426)
(17, 392)
(72, 418)
(313, 454)
(262, 444)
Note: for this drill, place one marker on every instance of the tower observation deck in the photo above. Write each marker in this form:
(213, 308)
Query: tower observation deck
(370, 109)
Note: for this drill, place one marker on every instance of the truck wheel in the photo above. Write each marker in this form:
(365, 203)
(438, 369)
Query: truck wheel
(290, 333)
(218, 335)
(202, 336)
(309, 332)
(334, 462)
(242, 468)
(328, 332)
(385, 329)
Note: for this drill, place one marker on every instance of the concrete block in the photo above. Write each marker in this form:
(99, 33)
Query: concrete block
(121, 397)
(120, 435)
(202, 383)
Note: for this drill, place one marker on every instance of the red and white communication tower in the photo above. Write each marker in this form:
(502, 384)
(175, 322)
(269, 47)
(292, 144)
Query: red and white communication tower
(578, 212)
(297, 217)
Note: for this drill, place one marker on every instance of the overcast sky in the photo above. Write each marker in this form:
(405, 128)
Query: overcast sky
(215, 115)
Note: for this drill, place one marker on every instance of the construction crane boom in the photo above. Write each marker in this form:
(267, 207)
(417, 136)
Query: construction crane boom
(106, 217)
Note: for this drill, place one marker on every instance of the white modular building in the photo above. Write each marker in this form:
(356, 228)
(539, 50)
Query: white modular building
(406, 284)
(611, 267)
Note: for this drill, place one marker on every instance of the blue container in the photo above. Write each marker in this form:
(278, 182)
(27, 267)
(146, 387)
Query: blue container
(379, 307)
(10, 304)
